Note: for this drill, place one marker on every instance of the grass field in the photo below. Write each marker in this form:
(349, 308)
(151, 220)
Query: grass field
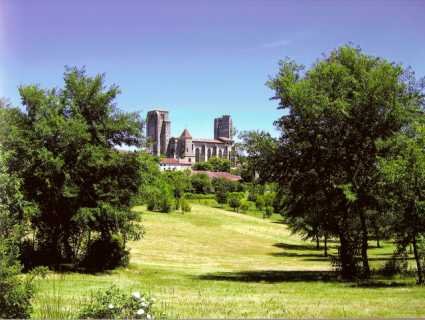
(212, 263)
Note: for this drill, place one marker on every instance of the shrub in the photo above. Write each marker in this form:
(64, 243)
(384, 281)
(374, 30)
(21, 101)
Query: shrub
(113, 303)
(268, 212)
(259, 202)
(201, 183)
(185, 205)
(245, 205)
(234, 200)
(160, 199)
(15, 293)
(105, 253)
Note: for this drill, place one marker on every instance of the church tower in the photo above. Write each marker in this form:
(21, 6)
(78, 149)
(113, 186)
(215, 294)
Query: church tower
(158, 131)
(223, 127)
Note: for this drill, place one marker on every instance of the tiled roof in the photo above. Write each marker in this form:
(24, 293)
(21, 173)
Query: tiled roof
(207, 140)
(174, 162)
(224, 175)
(186, 134)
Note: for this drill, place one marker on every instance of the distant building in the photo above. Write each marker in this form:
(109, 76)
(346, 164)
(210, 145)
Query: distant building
(171, 164)
(185, 148)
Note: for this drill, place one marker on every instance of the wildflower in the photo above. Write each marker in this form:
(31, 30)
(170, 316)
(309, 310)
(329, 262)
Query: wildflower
(110, 306)
(136, 295)
(140, 312)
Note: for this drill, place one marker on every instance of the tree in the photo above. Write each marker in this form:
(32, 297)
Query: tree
(213, 164)
(327, 153)
(63, 148)
(15, 292)
(234, 199)
(201, 183)
(404, 184)
(256, 152)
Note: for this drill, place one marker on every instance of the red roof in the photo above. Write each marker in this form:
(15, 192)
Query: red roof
(225, 175)
(174, 162)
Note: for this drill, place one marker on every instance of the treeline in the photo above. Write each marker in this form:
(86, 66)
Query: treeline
(173, 190)
(350, 158)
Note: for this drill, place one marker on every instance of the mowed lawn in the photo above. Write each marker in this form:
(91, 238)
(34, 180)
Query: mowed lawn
(212, 263)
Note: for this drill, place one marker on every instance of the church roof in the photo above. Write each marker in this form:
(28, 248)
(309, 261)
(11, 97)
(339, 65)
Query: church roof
(186, 134)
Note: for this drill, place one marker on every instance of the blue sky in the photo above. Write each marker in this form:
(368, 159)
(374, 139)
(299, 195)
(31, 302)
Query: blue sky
(197, 59)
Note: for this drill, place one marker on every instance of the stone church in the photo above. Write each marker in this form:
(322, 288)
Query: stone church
(185, 148)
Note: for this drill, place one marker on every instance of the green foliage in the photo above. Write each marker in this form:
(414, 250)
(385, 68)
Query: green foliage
(260, 203)
(201, 183)
(257, 154)
(268, 211)
(63, 148)
(245, 205)
(234, 200)
(185, 206)
(223, 186)
(403, 174)
(15, 291)
(326, 159)
(105, 253)
(113, 303)
(213, 164)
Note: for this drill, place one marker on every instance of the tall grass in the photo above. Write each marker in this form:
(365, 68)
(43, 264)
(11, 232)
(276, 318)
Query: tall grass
(52, 303)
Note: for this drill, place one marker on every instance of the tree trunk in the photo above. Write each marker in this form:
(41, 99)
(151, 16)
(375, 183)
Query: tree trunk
(418, 261)
(346, 258)
(325, 247)
(377, 242)
(317, 242)
(365, 260)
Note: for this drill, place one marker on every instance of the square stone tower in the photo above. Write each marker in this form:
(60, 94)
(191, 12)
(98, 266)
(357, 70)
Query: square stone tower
(223, 127)
(158, 131)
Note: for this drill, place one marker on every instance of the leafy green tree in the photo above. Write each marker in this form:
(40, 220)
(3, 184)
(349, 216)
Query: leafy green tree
(404, 177)
(201, 183)
(223, 186)
(327, 153)
(180, 183)
(63, 148)
(256, 153)
(15, 291)
(234, 199)
(214, 164)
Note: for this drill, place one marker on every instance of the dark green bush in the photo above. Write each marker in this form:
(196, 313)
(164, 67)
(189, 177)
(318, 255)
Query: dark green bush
(201, 183)
(259, 202)
(105, 254)
(268, 212)
(234, 200)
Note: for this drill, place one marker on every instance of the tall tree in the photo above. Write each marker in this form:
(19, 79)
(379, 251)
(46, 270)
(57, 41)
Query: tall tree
(404, 184)
(327, 153)
(63, 148)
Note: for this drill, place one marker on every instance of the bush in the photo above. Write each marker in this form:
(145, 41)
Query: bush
(160, 199)
(234, 200)
(15, 293)
(259, 202)
(113, 303)
(268, 212)
(185, 205)
(105, 254)
(194, 196)
(201, 183)
(245, 205)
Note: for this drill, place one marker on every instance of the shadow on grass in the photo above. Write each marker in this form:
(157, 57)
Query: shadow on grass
(276, 276)
(296, 250)
(271, 276)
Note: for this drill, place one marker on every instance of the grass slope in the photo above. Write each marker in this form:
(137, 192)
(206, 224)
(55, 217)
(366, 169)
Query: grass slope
(212, 263)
